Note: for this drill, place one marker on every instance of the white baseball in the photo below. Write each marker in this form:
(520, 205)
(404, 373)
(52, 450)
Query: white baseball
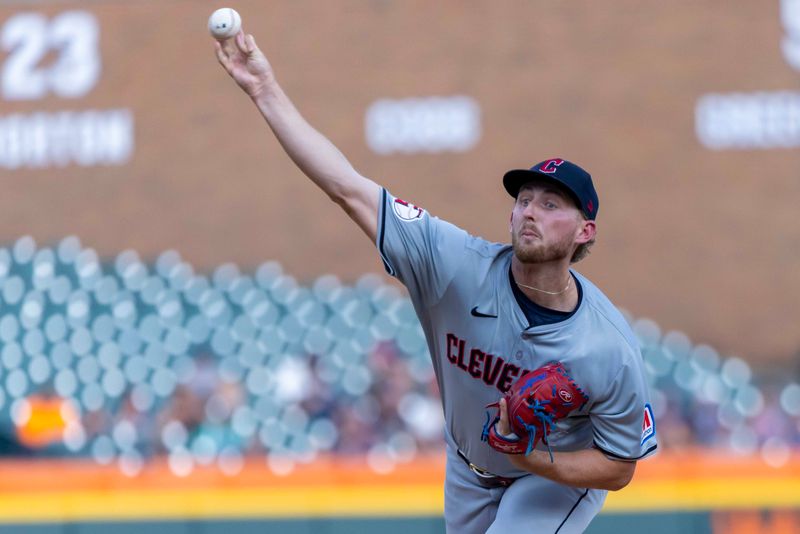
(224, 23)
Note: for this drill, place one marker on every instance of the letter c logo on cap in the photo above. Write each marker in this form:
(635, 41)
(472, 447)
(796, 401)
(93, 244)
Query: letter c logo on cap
(551, 166)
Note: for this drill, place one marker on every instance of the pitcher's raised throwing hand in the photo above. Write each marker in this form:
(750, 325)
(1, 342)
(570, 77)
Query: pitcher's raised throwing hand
(245, 63)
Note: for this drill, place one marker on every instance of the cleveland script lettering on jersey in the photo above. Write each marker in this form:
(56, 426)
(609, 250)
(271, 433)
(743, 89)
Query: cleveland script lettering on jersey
(494, 370)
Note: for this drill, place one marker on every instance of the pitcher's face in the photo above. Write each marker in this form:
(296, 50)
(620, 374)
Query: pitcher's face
(545, 224)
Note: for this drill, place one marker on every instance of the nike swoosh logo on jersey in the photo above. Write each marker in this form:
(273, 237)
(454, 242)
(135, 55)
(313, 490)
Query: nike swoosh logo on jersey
(475, 313)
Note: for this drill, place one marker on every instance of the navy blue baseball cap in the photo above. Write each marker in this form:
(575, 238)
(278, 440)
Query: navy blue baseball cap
(576, 180)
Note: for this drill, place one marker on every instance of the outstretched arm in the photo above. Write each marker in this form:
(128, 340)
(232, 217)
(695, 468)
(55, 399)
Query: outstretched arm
(312, 152)
(588, 468)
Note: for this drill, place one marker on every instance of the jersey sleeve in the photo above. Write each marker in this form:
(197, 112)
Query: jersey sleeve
(622, 421)
(421, 251)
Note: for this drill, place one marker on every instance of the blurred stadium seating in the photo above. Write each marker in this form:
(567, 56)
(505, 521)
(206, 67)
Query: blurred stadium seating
(123, 361)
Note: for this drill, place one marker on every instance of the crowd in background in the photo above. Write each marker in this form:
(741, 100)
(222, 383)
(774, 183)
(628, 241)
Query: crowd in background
(397, 415)
(130, 361)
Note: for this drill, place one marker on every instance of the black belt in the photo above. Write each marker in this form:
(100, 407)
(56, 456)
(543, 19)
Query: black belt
(487, 479)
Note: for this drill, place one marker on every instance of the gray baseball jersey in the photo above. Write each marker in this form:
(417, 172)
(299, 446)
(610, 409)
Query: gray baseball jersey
(480, 341)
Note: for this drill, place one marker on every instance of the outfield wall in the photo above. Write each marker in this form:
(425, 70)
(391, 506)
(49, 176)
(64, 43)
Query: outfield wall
(698, 492)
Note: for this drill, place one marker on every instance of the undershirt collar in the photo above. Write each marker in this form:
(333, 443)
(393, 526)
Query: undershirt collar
(539, 315)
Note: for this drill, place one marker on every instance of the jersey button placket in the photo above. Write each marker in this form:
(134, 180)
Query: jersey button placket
(523, 353)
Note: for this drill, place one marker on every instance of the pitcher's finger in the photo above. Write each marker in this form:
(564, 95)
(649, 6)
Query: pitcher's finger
(504, 424)
(240, 42)
(251, 43)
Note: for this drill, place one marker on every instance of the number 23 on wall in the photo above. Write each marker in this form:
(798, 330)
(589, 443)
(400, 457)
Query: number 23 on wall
(71, 37)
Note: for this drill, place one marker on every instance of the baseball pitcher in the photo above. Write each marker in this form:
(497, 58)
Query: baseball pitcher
(544, 395)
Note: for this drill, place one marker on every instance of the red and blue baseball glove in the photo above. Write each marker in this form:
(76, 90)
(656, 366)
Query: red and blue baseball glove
(535, 402)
